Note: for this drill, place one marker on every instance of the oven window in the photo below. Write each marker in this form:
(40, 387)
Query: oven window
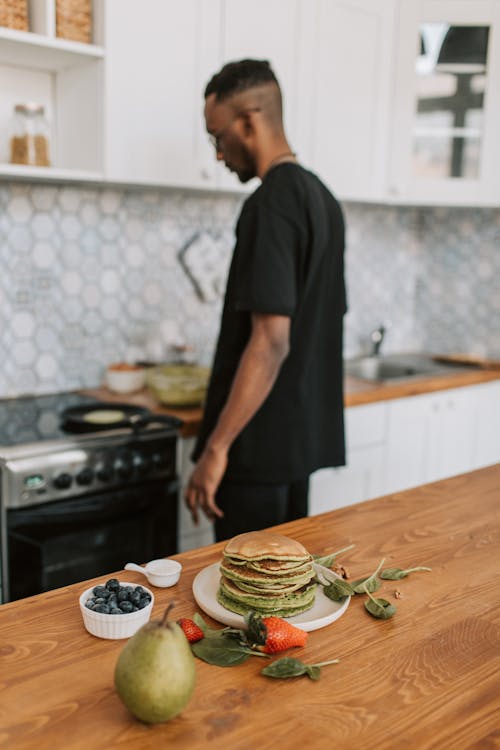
(60, 543)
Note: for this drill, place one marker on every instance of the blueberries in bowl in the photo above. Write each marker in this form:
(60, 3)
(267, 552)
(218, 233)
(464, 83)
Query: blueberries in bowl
(115, 599)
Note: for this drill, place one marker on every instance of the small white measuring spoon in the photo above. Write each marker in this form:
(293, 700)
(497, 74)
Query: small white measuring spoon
(161, 573)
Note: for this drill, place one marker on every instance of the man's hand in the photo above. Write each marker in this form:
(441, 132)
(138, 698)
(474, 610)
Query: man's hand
(204, 481)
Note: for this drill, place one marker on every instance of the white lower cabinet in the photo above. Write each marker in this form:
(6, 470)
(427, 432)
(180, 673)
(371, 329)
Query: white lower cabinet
(488, 424)
(406, 442)
(438, 435)
(363, 477)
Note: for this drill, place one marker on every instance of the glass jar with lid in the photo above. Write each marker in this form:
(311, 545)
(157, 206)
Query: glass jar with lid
(29, 143)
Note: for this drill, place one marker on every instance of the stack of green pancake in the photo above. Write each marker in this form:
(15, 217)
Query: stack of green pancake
(267, 573)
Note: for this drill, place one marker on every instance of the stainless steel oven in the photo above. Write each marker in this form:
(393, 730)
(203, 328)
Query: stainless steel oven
(76, 506)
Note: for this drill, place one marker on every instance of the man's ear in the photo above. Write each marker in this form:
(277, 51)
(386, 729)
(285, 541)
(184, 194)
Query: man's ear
(248, 123)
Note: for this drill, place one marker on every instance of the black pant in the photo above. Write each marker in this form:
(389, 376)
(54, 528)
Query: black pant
(251, 507)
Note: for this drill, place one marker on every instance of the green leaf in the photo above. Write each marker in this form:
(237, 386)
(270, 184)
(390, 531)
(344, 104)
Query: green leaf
(314, 672)
(328, 560)
(380, 608)
(338, 590)
(290, 667)
(222, 651)
(370, 584)
(395, 574)
(285, 667)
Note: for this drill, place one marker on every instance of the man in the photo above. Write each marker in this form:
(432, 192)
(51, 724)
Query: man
(274, 407)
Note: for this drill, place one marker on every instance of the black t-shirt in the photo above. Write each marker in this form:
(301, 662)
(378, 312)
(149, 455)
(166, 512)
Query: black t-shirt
(288, 260)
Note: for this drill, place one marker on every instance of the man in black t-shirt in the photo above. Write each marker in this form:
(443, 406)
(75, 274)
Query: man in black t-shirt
(274, 407)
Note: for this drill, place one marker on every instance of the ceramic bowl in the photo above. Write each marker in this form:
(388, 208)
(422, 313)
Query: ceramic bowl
(124, 378)
(178, 385)
(114, 626)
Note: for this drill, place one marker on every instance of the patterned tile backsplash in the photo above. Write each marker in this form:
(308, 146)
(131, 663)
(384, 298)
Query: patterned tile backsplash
(91, 276)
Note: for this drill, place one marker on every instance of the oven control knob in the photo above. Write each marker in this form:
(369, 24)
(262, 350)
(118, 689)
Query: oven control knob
(140, 463)
(104, 473)
(124, 467)
(157, 460)
(85, 476)
(62, 481)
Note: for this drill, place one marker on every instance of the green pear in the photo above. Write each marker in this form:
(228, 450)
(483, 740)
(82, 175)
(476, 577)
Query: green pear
(155, 672)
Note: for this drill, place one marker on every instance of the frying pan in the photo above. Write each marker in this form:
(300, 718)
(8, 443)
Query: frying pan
(75, 418)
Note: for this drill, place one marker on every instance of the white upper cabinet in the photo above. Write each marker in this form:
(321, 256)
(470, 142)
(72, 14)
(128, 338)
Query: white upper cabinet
(446, 113)
(352, 53)
(264, 30)
(159, 54)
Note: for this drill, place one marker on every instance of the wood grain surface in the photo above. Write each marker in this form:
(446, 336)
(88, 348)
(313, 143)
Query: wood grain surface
(427, 678)
(356, 392)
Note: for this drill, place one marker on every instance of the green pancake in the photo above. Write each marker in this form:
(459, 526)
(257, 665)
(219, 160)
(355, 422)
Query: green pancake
(242, 609)
(268, 602)
(268, 573)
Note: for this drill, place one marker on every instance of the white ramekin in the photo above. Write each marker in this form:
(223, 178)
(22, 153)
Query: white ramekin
(114, 626)
(125, 381)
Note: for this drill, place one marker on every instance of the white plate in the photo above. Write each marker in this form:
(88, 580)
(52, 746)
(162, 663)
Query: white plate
(323, 612)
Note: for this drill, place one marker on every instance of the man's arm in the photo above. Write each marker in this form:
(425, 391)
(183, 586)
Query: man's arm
(260, 363)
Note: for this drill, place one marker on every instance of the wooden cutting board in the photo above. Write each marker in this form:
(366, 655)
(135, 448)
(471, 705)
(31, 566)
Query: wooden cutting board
(468, 359)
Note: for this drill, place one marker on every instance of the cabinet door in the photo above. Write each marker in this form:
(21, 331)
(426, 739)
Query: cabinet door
(264, 30)
(352, 90)
(408, 429)
(447, 111)
(488, 427)
(362, 479)
(364, 475)
(451, 433)
(159, 55)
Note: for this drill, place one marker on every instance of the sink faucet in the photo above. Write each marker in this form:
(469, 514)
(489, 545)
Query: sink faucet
(376, 337)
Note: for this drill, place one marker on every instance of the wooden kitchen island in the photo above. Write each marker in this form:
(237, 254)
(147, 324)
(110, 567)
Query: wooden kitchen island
(427, 678)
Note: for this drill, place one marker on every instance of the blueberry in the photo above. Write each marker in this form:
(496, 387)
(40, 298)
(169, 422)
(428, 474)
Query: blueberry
(112, 602)
(122, 595)
(113, 584)
(115, 611)
(100, 600)
(135, 598)
(144, 602)
(126, 606)
(102, 608)
(140, 590)
(90, 604)
(100, 591)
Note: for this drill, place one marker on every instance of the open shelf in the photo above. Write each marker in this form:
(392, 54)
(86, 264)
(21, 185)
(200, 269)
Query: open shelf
(39, 52)
(47, 174)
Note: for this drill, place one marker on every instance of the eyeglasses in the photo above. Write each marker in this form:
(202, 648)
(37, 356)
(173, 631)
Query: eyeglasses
(215, 139)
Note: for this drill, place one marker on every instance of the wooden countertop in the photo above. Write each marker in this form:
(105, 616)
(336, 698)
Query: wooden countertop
(427, 678)
(356, 392)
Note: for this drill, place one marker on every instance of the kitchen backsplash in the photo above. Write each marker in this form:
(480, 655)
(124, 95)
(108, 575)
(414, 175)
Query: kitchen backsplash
(91, 276)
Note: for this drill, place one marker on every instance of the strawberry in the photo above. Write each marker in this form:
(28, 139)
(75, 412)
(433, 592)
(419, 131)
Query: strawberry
(273, 634)
(190, 629)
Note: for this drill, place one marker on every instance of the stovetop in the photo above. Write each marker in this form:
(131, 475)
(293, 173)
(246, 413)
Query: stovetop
(30, 419)
(41, 462)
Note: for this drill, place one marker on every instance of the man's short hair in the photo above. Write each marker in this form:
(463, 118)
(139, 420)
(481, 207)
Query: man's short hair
(235, 77)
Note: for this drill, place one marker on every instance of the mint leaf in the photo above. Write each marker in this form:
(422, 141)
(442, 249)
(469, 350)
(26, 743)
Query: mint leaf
(370, 584)
(395, 574)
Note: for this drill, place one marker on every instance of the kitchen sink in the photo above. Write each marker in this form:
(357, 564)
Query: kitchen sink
(395, 367)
